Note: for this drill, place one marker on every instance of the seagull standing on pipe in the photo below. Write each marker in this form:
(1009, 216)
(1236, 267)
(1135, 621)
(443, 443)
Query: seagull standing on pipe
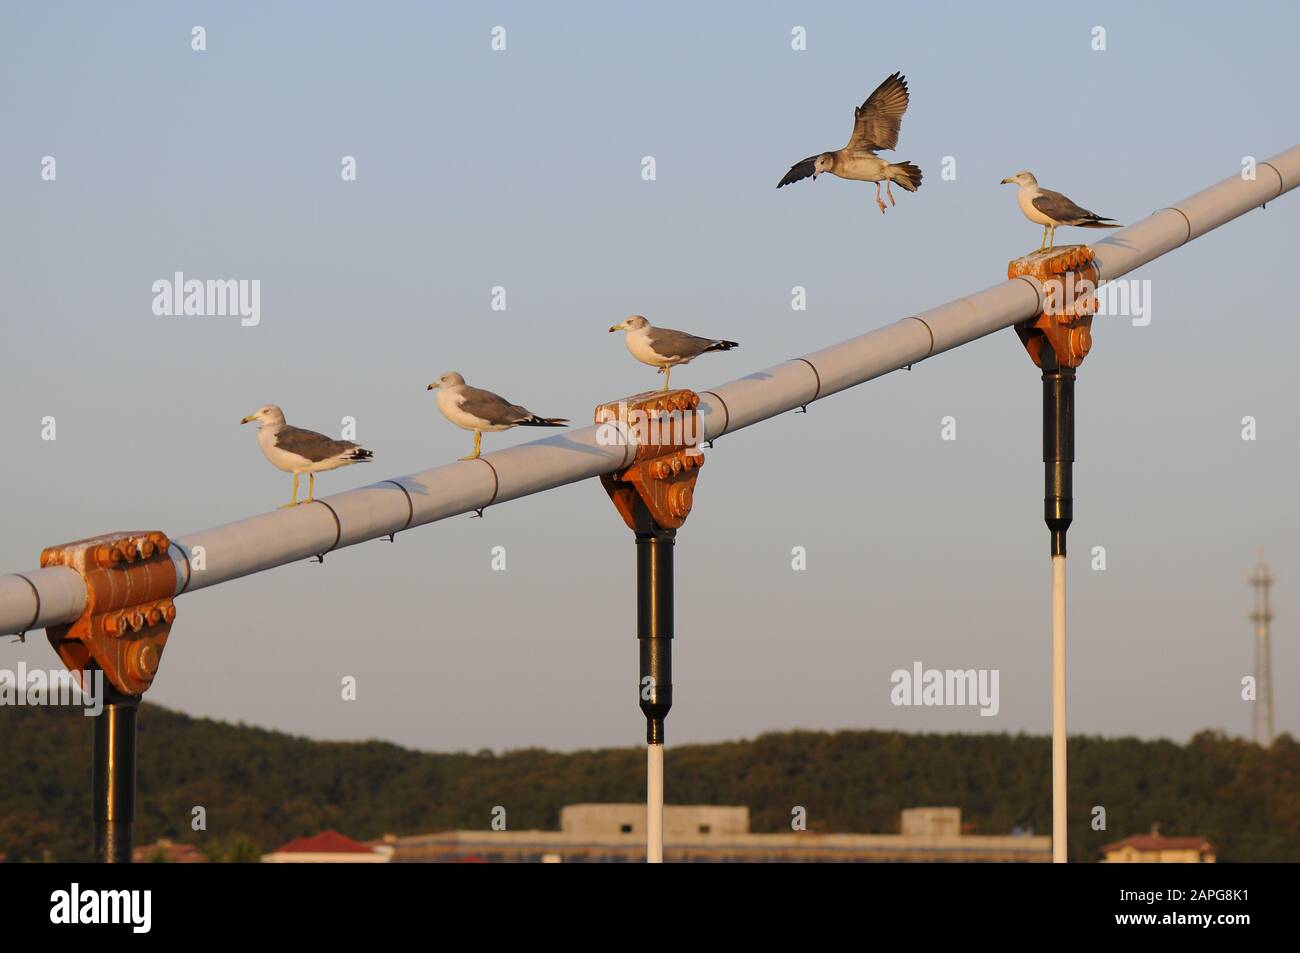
(300, 451)
(875, 129)
(664, 348)
(1050, 209)
(472, 408)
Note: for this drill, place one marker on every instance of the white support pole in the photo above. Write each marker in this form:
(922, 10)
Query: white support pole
(1058, 711)
(654, 804)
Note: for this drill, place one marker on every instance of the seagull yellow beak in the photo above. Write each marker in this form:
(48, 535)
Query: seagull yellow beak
(248, 418)
(1005, 182)
(616, 327)
(432, 386)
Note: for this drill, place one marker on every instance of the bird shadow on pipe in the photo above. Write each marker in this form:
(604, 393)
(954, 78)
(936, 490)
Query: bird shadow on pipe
(1113, 243)
(564, 442)
(412, 486)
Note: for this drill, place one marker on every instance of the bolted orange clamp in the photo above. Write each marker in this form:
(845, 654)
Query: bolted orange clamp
(1069, 279)
(130, 581)
(660, 483)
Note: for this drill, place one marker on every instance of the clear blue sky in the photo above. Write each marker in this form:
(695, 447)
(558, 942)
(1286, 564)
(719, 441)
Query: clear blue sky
(522, 169)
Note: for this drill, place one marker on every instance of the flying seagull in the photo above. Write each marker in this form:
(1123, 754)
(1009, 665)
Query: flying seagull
(479, 410)
(301, 451)
(664, 348)
(1050, 209)
(875, 129)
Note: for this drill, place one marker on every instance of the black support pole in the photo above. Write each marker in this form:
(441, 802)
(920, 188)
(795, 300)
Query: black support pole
(654, 626)
(113, 776)
(654, 632)
(1058, 448)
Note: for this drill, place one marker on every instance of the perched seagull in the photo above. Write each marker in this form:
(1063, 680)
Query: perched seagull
(480, 410)
(664, 348)
(301, 451)
(1050, 209)
(875, 128)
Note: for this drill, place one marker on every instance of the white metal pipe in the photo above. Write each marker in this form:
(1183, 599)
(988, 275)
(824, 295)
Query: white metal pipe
(251, 545)
(40, 598)
(654, 804)
(1168, 228)
(283, 536)
(1058, 711)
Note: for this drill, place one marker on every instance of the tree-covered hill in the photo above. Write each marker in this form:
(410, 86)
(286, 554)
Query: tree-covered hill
(262, 788)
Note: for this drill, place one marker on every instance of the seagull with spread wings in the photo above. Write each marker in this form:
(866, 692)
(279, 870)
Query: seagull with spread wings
(299, 451)
(875, 129)
(472, 408)
(1050, 209)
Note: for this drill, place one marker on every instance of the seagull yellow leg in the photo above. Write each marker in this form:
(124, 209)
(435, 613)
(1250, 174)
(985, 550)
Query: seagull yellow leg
(1043, 244)
(668, 373)
(311, 488)
(878, 202)
(478, 439)
(294, 501)
(889, 191)
(1051, 241)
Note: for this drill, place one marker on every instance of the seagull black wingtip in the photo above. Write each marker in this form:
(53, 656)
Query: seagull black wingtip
(799, 171)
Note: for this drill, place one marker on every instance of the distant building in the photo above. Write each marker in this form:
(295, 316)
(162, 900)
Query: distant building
(931, 822)
(167, 851)
(1155, 848)
(605, 833)
(680, 822)
(329, 847)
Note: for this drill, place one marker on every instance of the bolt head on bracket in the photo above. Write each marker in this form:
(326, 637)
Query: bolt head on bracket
(1069, 279)
(659, 486)
(130, 581)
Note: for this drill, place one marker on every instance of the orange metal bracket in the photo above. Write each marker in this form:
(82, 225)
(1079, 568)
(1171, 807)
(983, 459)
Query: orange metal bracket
(130, 581)
(660, 483)
(1069, 279)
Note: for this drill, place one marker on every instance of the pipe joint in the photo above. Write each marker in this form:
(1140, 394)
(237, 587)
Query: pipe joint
(656, 493)
(130, 580)
(1068, 278)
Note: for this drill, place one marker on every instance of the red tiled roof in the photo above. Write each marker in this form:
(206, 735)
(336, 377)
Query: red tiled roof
(1159, 842)
(326, 842)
